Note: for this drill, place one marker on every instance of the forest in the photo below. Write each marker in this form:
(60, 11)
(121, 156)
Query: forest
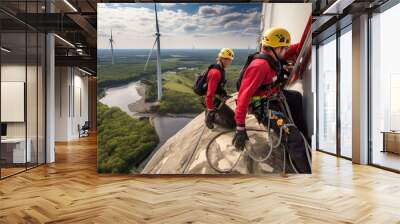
(123, 141)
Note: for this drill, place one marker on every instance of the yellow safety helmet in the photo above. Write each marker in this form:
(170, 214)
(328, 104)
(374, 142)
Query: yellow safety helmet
(226, 53)
(276, 37)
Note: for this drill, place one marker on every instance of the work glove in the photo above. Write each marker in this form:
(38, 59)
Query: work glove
(224, 96)
(240, 138)
(288, 68)
(210, 118)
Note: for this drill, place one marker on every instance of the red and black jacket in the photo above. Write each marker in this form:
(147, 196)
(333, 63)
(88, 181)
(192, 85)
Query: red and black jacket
(215, 84)
(258, 73)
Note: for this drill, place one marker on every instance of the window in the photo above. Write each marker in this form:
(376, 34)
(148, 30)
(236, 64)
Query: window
(346, 93)
(22, 77)
(385, 89)
(327, 96)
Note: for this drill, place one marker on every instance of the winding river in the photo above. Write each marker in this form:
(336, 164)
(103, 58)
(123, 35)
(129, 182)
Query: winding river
(124, 95)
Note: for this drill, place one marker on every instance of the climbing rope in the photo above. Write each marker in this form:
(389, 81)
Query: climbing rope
(307, 147)
(208, 148)
(248, 151)
(240, 155)
(194, 150)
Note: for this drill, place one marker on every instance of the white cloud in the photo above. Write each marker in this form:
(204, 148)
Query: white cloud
(190, 27)
(214, 10)
(252, 30)
(167, 4)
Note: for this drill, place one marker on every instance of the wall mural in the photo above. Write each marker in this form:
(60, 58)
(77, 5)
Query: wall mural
(188, 88)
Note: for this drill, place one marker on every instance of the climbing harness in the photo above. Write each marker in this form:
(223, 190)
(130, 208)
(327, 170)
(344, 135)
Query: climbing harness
(282, 127)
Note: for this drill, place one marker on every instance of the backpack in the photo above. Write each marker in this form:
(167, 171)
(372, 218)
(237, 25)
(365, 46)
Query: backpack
(277, 66)
(200, 84)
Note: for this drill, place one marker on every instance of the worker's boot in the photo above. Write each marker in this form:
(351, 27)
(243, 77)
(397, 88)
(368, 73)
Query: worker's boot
(296, 147)
(225, 117)
(298, 151)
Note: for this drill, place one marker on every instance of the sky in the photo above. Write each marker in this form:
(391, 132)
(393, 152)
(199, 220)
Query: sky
(182, 25)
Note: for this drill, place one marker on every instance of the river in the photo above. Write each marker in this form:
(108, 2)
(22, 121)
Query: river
(122, 96)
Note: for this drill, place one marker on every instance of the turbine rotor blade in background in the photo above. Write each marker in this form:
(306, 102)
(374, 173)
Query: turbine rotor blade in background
(150, 53)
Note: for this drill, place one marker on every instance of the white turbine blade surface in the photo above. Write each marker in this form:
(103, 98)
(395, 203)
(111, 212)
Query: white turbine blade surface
(150, 53)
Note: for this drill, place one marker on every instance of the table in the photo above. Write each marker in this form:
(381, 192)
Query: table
(391, 141)
(13, 150)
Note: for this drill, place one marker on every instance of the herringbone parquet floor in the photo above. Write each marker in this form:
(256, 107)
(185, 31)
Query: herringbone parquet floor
(70, 191)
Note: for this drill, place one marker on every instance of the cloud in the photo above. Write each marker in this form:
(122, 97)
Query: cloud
(236, 16)
(199, 35)
(234, 25)
(236, 20)
(103, 34)
(167, 4)
(113, 5)
(190, 27)
(119, 26)
(252, 30)
(213, 10)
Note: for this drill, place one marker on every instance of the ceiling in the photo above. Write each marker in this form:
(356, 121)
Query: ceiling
(76, 22)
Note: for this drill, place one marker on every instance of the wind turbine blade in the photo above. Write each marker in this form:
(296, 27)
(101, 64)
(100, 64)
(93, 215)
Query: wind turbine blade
(155, 10)
(150, 53)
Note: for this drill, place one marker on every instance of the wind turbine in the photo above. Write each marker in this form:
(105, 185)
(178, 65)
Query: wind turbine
(112, 48)
(156, 41)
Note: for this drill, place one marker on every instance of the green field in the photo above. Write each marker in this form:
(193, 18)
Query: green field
(176, 82)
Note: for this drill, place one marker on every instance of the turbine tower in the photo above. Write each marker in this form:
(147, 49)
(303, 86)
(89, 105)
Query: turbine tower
(112, 48)
(157, 41)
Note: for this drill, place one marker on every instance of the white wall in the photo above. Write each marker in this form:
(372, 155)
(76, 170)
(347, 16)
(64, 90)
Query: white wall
(17, 73)
(62, 80)
(71, 87)
(291, 16)
(14, 72)
(33, 126)
(80, 94)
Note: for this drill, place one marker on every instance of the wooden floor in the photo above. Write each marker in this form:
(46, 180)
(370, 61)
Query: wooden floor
(11, 170)
(70, 191)
(386, 159)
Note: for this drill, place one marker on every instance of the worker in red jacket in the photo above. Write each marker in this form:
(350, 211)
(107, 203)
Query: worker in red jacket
(255, 88)
(216, 110)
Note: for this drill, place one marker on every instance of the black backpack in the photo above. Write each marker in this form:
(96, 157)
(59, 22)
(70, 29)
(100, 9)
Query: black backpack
(277, 66)
(200, 84)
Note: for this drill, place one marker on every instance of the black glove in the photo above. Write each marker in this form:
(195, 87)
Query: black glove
(210, 118)
(240, 138)
(223, 94)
